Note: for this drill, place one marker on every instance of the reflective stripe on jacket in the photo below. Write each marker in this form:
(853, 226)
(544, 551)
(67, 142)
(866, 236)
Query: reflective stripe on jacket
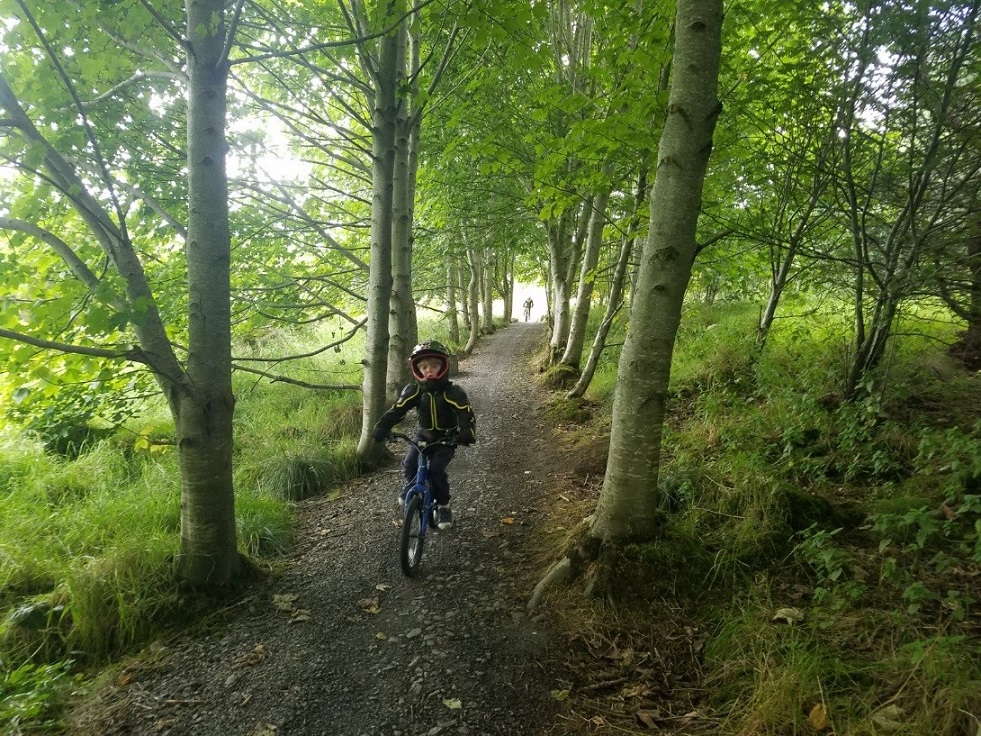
(442, 407)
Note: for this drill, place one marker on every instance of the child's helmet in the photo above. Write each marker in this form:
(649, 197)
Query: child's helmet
(430, 349)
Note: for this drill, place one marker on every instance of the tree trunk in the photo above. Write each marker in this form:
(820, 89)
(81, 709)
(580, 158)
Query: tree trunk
(565, 267)
(452, 315)
(402, 309)
(783, 260)
(203, 415)
(507, 283)
(487, 295)
(616, 290)
(628, 502)
(473, 296)
(404, 324)
(199, 395)
(970, 345)
(463, 284)
(384, 122)
(572, 356)
(559, 254)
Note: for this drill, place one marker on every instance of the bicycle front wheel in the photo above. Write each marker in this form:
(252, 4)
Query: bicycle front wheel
(411, 539)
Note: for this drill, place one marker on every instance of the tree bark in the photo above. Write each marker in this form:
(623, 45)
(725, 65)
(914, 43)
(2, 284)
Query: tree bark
(628, 503)
(204, 415)
(473, 296)
(487, 295)
(384, 121)
(452, 315)
(402, 326)
(616, 290)
(560, 254)
(572, 356)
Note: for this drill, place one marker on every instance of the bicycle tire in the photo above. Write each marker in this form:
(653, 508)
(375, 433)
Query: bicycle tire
(411, 539)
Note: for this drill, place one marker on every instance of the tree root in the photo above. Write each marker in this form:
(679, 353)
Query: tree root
(581, 551)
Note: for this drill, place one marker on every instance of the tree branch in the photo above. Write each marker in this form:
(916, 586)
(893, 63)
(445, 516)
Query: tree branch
(133, 354)
(75, 264)
(351, 333)
(295, 382)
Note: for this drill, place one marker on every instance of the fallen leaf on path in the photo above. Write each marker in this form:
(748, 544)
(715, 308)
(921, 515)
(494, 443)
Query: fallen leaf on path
(383, 587)
(124, 679)
(370, 605)
(250, 659)
(818, 718)
(381, 635)
(284, 601)
(507, 520)
(263, 729)
(453, 703)
(300, 615)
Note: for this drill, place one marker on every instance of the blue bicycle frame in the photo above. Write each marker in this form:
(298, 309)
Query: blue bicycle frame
(417, 515)
(420, 485)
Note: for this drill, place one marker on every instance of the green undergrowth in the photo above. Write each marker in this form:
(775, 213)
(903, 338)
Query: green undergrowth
(88, 543)
(843, 538)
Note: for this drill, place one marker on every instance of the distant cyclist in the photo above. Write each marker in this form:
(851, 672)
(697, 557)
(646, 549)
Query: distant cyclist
(444, 414)
(528, 305)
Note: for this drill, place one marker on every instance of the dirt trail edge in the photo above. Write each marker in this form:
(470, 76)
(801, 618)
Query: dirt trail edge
(346, 646)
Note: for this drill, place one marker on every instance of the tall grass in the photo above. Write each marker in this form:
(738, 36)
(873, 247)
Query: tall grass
(87, 545)
(864, 516)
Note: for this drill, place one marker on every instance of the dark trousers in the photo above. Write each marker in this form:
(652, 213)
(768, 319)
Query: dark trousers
(439, 459)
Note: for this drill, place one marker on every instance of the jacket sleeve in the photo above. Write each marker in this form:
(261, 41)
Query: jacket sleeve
(406, 400)
(466, 420)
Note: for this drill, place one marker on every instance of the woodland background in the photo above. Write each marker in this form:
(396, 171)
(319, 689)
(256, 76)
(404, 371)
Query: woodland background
(223, 227)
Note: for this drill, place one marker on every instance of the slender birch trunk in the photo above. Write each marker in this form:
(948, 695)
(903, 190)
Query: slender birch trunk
(384, 123)
(451, 314)
(402, 309)
(616, 290)
(487, 294)
(627, 506)
(204, 415)
(572, 356)
(473, 296)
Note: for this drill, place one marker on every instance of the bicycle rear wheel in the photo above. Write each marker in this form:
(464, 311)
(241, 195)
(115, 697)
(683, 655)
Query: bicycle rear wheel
(411, 538)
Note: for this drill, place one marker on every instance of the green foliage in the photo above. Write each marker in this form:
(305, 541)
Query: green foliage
(88, 543)
(830, 564)
(30, 694)
(68, 413)
(860, 517)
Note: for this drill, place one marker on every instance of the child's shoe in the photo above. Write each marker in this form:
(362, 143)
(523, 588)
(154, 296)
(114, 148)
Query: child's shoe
(444, 517)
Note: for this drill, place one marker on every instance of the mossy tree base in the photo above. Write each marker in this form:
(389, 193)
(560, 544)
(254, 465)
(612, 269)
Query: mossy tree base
(627, 569)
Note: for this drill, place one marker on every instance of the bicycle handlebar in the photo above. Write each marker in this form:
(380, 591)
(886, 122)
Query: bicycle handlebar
(422, 444)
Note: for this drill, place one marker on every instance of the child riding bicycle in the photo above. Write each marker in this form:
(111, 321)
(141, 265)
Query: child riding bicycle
(444, 414)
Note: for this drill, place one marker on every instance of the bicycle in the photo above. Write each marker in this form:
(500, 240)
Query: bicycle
(419, 506)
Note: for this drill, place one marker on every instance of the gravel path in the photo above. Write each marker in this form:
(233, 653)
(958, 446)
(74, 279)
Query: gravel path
(344, 645)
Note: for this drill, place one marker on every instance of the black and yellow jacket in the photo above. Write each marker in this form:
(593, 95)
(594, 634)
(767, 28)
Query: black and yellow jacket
(443, 409)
